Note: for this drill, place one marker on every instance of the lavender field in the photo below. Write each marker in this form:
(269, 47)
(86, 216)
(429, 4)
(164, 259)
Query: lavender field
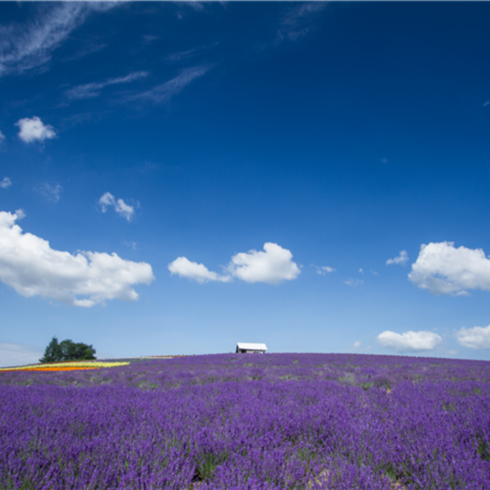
(274, 421)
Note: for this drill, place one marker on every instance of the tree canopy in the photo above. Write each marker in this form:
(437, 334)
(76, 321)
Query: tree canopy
(67, 350)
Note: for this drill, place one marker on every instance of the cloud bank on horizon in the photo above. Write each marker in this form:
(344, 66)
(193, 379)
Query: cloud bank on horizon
(410, 341)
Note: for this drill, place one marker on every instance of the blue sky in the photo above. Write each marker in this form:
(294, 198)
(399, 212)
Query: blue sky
(177, 177)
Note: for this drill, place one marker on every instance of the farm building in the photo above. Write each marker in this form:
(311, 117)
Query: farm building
(247, 348)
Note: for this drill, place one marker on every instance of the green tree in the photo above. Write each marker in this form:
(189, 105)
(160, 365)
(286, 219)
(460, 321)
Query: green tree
(53, 352)
(79, 351)
(67, 350)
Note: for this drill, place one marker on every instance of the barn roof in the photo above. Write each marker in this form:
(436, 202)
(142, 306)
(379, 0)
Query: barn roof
(249, 346)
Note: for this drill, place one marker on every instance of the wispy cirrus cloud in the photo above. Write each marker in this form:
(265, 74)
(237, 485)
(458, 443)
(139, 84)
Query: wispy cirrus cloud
(90, 90)
(50, 192)
(299, 21)
(182, 55)
(354, 282)
(26, 46)
(5, 183)
(164, 92)
(324, 270)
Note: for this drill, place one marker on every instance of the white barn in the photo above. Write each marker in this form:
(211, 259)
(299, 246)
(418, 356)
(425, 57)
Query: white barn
(247, 348)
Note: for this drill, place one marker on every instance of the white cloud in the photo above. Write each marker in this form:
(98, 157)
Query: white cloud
(91, 90)
(354, 282)
(474, 338)
(357, 344)
(164, 92)
(2, 137)
(194, 271)
(20, 214)
(29, 45)
(49, 192)
(132, 245)
(12, 355)
(272, 266)
(323, 270)
(123, 209)
(299, 21)
(361, 271)
(409, 341)
(443, 269)
(30, 266)
(401, 259)
(5, 183)
(34, 130)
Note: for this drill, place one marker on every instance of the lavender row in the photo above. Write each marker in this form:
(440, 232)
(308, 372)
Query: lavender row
(250, 422)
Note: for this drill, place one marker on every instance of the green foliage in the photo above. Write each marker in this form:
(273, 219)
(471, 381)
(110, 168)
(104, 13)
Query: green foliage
(52, 352)
(67, 350)
(483, 450)
(72, 351)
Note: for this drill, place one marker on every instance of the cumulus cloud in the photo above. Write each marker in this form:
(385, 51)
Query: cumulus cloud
(474, 338)
(401, 259)
(357, 344)
(5, 183)
(323, 270)
(90, 90)
(18, 354)
(34, 130)
(50, 192)
(30, 266)
(121, 208)
(443, 269)
(409, 341)
(29, 45)
(164, 92)
(272, 266)
(194, 271)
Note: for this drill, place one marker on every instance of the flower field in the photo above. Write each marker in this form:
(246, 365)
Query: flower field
(67, 366)
(231, 421)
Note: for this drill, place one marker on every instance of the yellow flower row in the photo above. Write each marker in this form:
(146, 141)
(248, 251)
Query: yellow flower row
(89, 364)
